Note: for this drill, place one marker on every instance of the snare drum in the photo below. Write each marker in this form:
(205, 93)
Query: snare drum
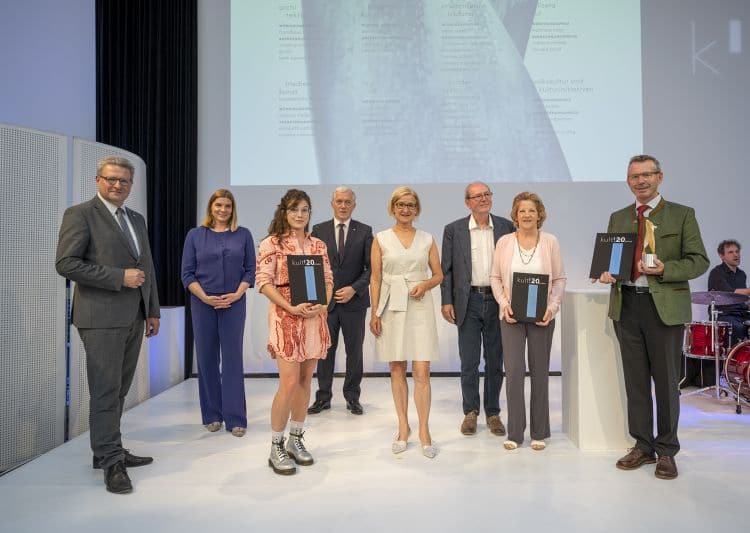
(698, 339)
(737, 369)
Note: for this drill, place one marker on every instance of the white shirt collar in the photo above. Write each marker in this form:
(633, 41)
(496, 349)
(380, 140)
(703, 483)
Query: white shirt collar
(473, 223)
(652, 204)
(112, 207)
(336, 222)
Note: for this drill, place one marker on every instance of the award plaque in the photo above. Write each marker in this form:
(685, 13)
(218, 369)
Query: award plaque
(306, 282)
(529, 296)
(613, 253)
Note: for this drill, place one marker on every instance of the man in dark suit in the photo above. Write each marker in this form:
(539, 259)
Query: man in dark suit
(467, 302)
(349, 243)
(649, 312)
(103, 247)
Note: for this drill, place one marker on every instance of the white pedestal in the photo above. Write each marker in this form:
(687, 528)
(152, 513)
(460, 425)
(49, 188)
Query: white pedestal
(594, 412)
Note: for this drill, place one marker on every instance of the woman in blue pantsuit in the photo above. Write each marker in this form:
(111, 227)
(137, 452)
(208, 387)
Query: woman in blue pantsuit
(218, 266)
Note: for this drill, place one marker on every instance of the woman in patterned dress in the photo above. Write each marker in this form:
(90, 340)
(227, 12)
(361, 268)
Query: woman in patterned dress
(405, 269)
(297, 334)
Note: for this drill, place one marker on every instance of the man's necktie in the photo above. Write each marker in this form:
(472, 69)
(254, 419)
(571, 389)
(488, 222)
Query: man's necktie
(635, 274)
(120, 214)
(341, 240)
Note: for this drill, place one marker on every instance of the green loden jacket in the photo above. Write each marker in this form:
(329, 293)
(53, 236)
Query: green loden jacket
(679, 246)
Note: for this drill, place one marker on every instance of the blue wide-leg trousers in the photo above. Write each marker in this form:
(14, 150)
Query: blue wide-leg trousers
(218, 337)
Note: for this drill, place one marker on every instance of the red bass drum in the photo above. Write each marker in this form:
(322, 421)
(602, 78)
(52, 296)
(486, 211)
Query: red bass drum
(737, 369)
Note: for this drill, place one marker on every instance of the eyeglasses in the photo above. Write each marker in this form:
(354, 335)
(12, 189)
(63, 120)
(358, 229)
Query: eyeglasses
(402, 205)
(113, 181)
(347, 203)
(647, 175)
(481, 196)
(300, 211)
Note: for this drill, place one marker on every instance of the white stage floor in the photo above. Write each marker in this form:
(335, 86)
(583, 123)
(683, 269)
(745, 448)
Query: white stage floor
(204, 481)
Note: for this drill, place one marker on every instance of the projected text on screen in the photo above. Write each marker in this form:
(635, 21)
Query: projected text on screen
(385, 91)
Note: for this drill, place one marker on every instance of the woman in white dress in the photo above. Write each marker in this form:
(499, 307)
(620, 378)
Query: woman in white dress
(404, 320)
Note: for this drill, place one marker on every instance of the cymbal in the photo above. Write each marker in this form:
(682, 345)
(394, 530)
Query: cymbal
(717, 297)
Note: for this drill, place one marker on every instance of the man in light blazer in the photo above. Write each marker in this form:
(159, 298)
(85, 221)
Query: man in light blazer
(467, 302)
(649, 311)
(103, 247)
(349, 243)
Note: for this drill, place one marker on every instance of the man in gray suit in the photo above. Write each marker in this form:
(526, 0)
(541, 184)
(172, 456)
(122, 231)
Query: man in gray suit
(103, 247)
(468, 249)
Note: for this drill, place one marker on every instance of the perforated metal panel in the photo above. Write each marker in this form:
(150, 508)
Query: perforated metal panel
(86, 154)
(33, 171)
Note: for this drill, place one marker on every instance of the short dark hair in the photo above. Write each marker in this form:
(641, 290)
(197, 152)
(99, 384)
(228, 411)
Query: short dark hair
(728, 242)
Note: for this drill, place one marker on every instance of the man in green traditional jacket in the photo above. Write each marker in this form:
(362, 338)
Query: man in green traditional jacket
(650, 310)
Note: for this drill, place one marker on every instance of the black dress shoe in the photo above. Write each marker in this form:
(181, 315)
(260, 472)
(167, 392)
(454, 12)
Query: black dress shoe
(130, 461)
(355, 407)
(318, 406)
(116, 479)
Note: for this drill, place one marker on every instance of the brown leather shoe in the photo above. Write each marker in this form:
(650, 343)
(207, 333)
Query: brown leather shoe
(635, 459)
(666, 468)
(469, 425)
(496, 425)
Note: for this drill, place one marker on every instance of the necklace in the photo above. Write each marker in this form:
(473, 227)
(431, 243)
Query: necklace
(525, 256)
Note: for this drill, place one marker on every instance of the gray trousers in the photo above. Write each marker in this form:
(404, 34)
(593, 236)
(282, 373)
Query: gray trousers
(111, 358)
(516, 337)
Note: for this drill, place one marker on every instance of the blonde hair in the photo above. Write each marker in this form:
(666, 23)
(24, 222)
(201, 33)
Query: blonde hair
(208, 220)
(399, 193)
(531, 197)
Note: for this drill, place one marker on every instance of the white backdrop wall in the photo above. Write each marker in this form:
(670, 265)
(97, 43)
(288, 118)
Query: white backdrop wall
(32, 295)
(40, 181)
(694, 113)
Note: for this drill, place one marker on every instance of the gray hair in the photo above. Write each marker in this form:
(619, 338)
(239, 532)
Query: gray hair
(642, 158)
(472, 184)
(116, 161)
(343, 190)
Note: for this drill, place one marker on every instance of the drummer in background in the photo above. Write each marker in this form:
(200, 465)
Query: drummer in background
(729, 277)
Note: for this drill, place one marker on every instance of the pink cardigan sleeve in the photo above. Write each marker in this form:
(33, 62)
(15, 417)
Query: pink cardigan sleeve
(557, 274)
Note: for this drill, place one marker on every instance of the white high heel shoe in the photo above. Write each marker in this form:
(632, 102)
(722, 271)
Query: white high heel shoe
(399, 446)
(429, 450)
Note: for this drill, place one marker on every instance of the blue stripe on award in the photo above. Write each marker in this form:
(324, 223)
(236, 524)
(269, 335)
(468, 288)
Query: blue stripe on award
(312, 294)
(615, 258)
(529, 296)
(531, 300)
(306, 283)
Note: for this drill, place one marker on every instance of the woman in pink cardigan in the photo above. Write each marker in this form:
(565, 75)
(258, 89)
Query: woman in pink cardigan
(528, 251)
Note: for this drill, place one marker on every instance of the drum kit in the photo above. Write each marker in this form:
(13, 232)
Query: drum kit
(711, 340)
